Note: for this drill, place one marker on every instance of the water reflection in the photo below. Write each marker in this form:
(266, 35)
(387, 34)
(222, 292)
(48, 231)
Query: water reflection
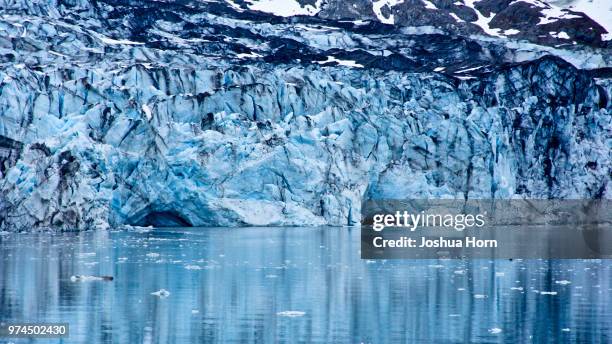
(291, 285)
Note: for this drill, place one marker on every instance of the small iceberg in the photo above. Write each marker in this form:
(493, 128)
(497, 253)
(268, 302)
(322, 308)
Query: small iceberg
(162, 293)
(563, 282)
(291, 314)
(85, 278)
(495, 330)
(137, 229)
(548, 293)
(193, 267)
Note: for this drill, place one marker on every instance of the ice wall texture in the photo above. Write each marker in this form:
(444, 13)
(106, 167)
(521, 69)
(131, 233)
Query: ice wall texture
(98, 132)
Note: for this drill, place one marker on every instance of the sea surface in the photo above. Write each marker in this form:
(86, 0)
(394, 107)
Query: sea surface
(290, 285)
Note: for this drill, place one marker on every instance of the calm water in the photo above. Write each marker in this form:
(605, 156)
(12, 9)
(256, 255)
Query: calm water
(271, 285)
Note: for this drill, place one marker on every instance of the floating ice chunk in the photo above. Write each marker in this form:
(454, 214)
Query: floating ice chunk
(565, 329)
(500, 274)
(517, 288)
(162, 293)
(480, 296)
(495, 330)
(548, 293)
(439, 69)
(152, 255)
(291, 314)
(563, 282)
(195, 311)
(85, 278)
(193, 267)
(138, 229)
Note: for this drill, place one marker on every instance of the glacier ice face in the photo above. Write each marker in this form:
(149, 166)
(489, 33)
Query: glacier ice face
(98, 131)
(294, 146)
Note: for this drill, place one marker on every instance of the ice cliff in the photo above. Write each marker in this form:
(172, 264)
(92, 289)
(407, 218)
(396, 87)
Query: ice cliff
(204, 114)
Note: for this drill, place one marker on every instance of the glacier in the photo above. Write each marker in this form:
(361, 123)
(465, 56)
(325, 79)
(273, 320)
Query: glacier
(101, 128)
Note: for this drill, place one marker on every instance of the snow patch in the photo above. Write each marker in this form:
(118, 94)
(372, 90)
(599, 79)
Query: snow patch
(111, 41)
(252, 55)
(377, 8)
(429, 5)
(483, 21)
(347, 63)
(598, 10)
(456, 17)
(561, 34)
(553, 13)
(284, 8)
